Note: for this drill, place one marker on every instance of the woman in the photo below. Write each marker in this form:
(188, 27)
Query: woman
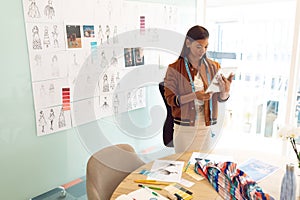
(186, 80)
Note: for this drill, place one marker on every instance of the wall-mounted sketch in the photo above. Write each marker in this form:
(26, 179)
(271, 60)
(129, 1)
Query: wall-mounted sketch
(38, 60)
(42, 121)
(46, 37)
(114, 60)
(88, 31)
(54, 66)
(115, 35)
(49, 10)
(107, 33)
(100, 34)
(116, 103)
(51, 118)
(118, 80)
(112, 82)
(74, 36)
(105, 83)
(55, 37)
(105, 106)
(33, 10)
(36, 42)
(61, 119)
(104, 62)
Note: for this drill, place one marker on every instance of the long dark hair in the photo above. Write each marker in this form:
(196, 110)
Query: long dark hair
(195, 33)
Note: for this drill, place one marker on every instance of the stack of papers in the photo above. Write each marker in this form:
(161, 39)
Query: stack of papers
(166, 170)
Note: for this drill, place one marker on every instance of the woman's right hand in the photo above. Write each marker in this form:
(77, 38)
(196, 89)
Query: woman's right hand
(201, 95)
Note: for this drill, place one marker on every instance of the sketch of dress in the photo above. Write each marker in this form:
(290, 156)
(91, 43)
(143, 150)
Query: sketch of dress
(105, 105)
(112, 82)
(100, 34)
(38, 60)
(55, 67)
(116, 103)
(36, 43)
(46, 37)
(55, 37)
(51, 118)
(33, 10)
(107, 33)
(105, 83)
(114, 60)
(49, 10)
(115, 35)
(42, 121)
(61, 119)
(104, 62)
(118, 79)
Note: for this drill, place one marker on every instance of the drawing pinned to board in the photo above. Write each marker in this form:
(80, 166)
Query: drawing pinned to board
(38, 60)
(73, 36)
(33, 10)
(55, 36)
(36, 42)
(115, 35)
(107, 33)
(88, 31)
(112, 82)
(61, 119)
(46, 37)
(49, 10)
(100, 34)
(116, 103)
(114, 59)
(105, 83)
(54, 66)
(51, 118)
(42, 121)
(104, 62)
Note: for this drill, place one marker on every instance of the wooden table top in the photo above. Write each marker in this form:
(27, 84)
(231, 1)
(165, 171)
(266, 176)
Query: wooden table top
(203, 189)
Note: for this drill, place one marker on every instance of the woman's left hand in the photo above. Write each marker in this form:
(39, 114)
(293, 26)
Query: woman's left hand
(224, 85)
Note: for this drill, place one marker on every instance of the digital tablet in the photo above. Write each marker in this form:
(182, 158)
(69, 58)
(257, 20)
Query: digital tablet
(226, 71)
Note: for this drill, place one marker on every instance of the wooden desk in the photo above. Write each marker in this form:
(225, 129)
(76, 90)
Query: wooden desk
(203, 189)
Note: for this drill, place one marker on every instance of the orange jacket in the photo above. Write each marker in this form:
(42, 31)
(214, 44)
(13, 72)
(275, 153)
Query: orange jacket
(177, 83)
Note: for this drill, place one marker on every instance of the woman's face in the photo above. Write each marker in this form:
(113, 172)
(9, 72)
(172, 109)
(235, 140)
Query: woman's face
(197, 47)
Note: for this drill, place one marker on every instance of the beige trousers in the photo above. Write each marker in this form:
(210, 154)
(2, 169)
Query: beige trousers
(193, 138)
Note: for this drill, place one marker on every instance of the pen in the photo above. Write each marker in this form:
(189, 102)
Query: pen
(151, 187)
(153, 182)
(187, 166)
(147, 188)
(178, 196)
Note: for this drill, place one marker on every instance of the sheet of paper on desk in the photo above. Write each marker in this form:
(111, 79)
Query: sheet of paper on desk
(212, 157)
(141, 194)
(257, 169)
(166, 170)
(226, 71)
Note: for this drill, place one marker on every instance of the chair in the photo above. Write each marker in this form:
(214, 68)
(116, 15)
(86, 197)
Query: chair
(169, 122)
(107, 168)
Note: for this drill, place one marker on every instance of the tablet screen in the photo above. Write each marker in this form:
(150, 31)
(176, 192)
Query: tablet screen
(226, 71)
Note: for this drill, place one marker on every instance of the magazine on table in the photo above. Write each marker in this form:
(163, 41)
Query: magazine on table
(257, 169)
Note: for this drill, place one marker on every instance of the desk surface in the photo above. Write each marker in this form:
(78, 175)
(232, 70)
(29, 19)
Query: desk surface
(202, 189)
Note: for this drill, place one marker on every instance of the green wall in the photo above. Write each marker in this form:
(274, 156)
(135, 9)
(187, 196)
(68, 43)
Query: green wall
(29, 165)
